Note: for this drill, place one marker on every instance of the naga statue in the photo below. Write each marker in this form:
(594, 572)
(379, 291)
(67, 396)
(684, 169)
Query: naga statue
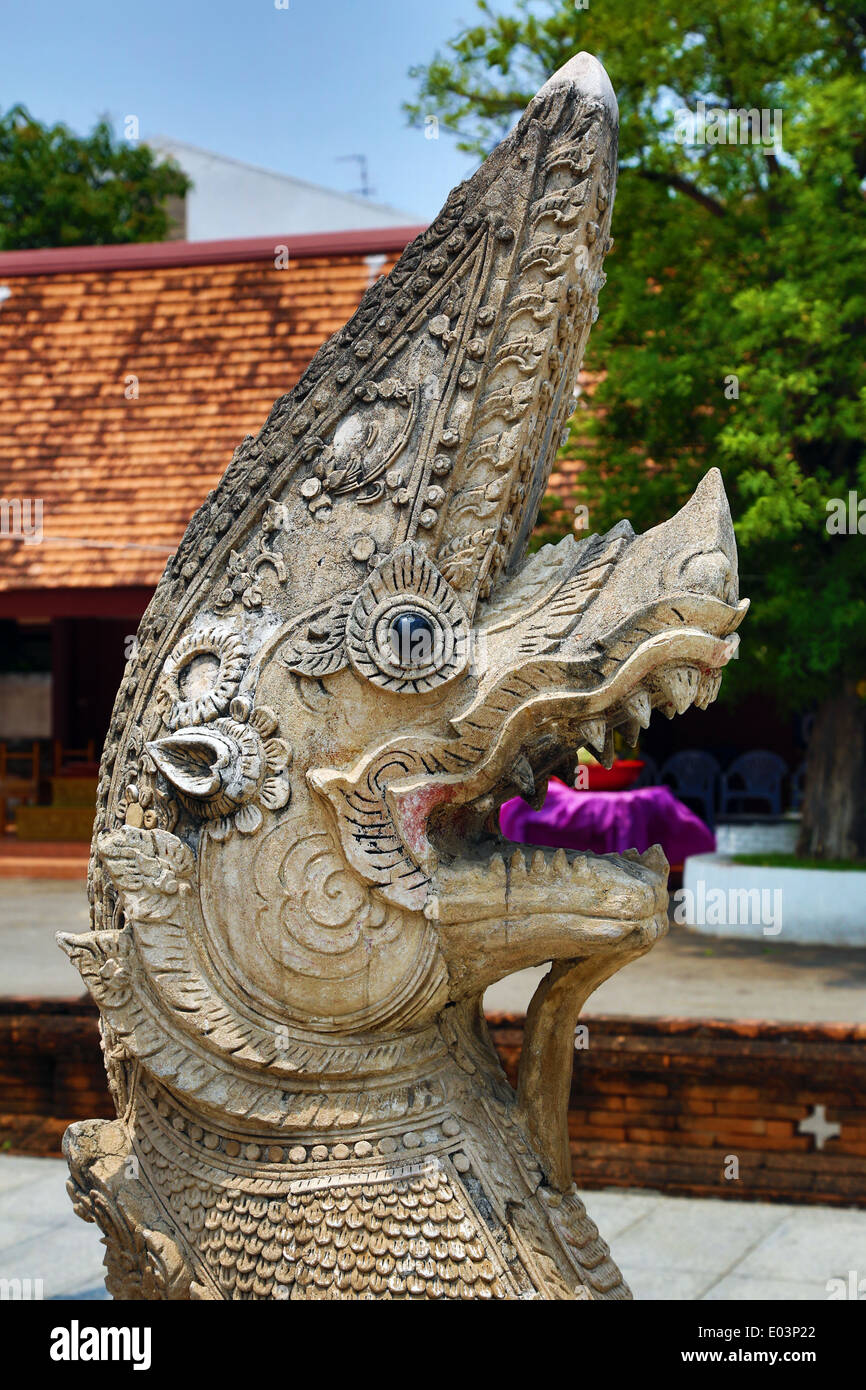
(298, 887)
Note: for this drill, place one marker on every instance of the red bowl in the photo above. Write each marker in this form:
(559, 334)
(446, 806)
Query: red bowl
(618, 778)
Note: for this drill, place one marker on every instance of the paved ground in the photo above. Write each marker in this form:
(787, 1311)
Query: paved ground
(31, 911)
(685, 973)
(667, 1247)
(717, 977)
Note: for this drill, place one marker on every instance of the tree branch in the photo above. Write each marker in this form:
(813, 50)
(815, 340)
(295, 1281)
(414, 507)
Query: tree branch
(681, 185)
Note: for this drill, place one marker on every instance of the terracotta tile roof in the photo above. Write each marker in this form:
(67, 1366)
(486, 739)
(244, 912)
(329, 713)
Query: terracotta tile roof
(212, 339)
(564, 482)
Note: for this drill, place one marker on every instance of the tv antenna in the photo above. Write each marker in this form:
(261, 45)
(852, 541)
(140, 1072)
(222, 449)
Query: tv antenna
(365, 190)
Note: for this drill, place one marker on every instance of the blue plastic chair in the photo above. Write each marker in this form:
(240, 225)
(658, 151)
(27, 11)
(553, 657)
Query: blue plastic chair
(694, 776)
(756, 776)
(649, 773)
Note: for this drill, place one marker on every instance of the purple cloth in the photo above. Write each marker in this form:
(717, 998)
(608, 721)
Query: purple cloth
(608, 822)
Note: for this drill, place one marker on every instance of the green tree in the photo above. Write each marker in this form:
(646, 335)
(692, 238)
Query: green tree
(62, 189)
(732, 327)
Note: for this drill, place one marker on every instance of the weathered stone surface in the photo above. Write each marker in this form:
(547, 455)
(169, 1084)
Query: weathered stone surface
(297, 895)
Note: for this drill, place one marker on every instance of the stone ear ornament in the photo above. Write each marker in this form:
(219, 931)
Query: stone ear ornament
(407, 630)
(315, 643)
(225, 773)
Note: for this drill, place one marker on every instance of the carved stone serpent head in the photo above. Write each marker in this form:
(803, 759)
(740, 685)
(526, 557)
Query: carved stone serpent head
(298, 884)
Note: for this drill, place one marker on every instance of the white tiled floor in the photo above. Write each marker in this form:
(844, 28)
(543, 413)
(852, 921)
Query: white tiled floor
(702, 1248)
(40, 1235)
(667, 1247)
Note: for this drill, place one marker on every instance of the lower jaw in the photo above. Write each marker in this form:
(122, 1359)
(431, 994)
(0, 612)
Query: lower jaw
(553, 932)
(554, 884)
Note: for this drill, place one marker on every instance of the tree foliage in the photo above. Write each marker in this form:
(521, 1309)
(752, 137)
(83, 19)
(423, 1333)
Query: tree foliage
(732, 260)
(61, 189)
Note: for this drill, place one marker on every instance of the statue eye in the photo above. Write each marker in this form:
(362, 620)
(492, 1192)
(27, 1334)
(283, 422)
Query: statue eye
(412, 639)
(407, 630)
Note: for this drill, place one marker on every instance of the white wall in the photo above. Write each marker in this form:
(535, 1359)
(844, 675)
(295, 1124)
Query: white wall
(819, 907)
(232, 199)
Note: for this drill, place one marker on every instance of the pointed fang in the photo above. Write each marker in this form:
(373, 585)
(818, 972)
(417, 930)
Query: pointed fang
(522, 777)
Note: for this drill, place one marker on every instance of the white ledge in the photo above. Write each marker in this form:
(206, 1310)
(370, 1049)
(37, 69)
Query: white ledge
(756, 902)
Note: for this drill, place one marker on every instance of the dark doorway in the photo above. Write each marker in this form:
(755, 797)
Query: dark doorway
(88, 657)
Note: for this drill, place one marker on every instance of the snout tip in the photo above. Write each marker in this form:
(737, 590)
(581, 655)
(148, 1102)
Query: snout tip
(588, 77)
(708, 513)
(711, 488)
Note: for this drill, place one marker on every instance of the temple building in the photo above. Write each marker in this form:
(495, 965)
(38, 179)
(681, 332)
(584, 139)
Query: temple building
(128, 375)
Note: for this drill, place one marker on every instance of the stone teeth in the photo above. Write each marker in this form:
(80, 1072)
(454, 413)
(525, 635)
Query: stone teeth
(608, 753)
(631, 732)
(654, 859)
(689, 678)
(664, 686)
(639, 708)
(496, 866)
(539, 863)
(708, 688)
(678, 686)
(560, 862)
(523, 778)
(517, 864)
(592, 735)
(538, 799)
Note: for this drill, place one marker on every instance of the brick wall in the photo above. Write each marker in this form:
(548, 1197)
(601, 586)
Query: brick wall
(659, 1103)
(51, 1072)
(666, 1103)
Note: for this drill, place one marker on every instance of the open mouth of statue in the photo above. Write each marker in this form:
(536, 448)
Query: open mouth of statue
(480, 874)
(581, 639)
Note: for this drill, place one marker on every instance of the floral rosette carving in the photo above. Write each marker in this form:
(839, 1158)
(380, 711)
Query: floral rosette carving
(201, 676)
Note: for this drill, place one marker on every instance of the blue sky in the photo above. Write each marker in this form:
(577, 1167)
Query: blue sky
(287, 89)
